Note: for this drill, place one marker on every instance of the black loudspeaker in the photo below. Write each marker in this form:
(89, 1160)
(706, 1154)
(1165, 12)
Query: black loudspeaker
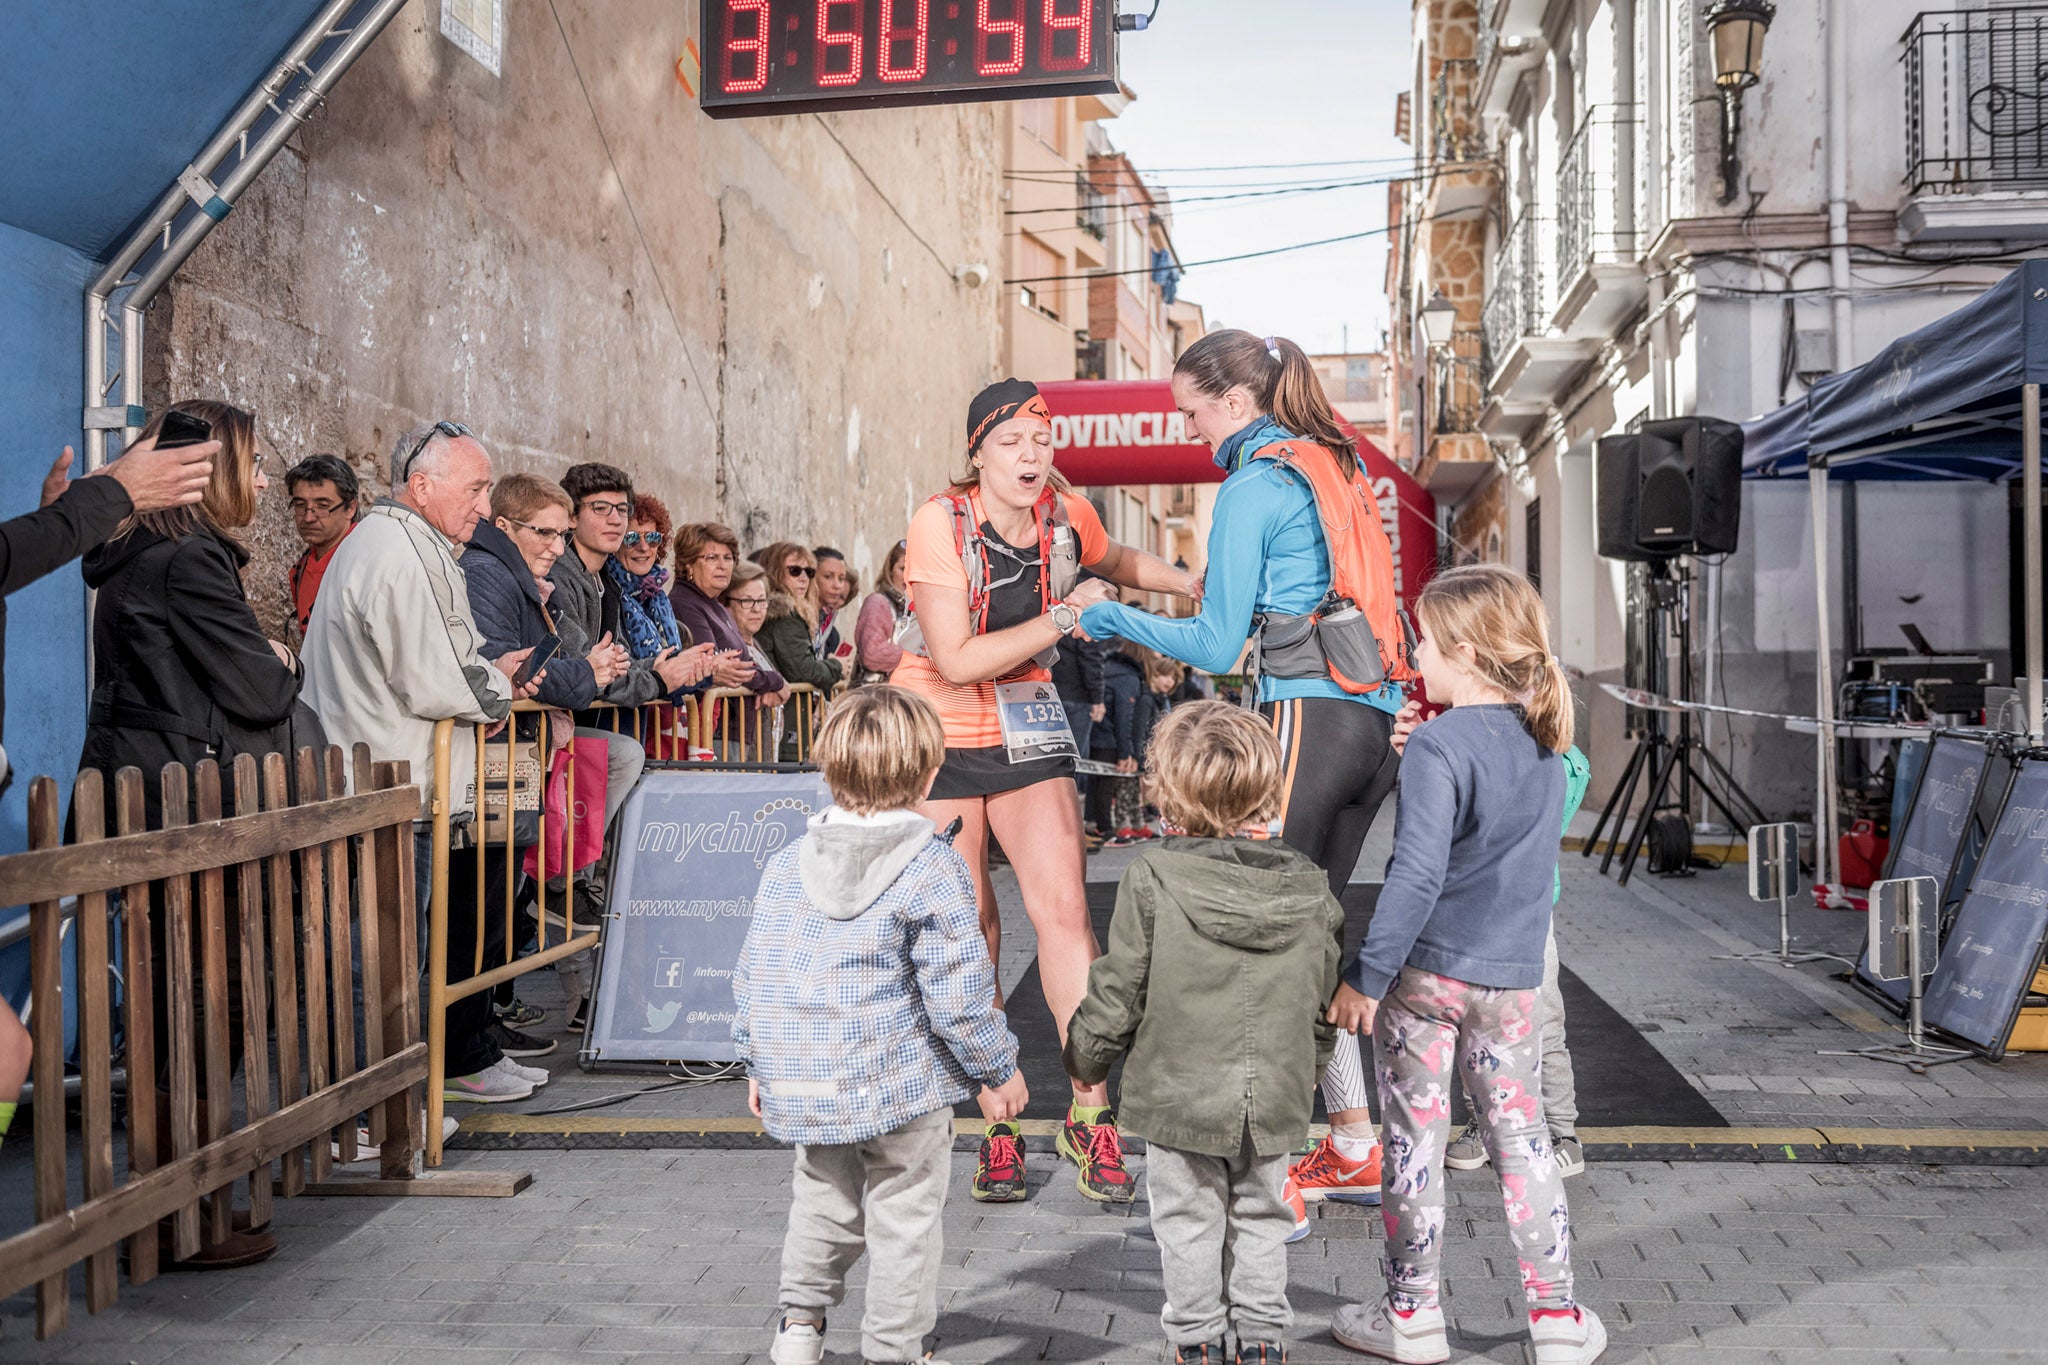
(1688, 487)
(1615, 466)
(1674, 488)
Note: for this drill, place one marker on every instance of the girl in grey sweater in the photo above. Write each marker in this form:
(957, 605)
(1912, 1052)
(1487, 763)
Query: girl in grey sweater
(1449, 971)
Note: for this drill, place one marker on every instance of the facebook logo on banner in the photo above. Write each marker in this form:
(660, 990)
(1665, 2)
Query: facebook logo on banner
(668, 973)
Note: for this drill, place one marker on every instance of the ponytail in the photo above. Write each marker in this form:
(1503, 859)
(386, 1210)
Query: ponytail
(1280, 379)
(1497, 611)
(1549, 709)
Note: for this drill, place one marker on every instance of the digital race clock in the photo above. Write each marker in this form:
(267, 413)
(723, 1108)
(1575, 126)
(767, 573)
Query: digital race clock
(793, 56)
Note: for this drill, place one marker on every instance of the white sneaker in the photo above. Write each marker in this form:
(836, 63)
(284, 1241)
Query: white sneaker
(492, 1085)
(1575, 1340)
(1416, 1338)
(798, 1343)
(532, 1075)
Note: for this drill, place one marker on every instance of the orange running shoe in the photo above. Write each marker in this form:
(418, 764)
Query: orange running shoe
(1297, 1208)
(1325, 1174)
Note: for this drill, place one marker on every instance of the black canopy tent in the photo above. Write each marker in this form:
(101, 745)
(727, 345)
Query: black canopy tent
(1958, 399)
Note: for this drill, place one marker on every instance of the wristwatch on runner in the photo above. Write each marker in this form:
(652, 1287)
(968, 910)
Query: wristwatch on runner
(1065, 616)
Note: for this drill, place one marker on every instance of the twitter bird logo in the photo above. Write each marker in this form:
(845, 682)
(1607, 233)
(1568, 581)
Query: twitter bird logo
(659, 1018)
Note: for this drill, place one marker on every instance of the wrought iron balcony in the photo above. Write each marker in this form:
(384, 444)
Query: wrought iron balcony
(1596, 190)
(1977, 99)
(1454, 123)
(1093, 212)
(1518, 304)
(1460, 386)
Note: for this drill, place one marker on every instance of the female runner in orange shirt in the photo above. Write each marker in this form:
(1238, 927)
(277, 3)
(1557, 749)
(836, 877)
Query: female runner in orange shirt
(991, 565)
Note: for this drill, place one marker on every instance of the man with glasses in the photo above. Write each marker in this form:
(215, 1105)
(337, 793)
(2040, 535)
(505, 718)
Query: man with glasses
(323, 491)
(392, 649)
(587, 607)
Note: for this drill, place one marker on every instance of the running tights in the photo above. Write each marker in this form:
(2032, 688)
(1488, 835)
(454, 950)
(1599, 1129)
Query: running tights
(1339, 766)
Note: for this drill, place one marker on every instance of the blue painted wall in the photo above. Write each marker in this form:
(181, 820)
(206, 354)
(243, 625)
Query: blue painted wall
(42, 287)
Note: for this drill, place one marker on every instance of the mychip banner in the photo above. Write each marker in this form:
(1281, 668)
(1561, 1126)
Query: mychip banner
(692, 845)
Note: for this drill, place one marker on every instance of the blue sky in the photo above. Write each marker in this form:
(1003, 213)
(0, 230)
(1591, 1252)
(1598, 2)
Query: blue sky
(1254, 82)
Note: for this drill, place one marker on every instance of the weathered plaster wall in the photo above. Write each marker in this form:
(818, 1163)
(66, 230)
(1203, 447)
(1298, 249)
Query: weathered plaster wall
(757, 318)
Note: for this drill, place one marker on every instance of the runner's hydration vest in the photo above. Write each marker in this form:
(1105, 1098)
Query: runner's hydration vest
(1357, 637)
(1059, 554)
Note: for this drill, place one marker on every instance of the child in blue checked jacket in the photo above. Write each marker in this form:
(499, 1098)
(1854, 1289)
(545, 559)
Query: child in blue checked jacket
(866, 1011)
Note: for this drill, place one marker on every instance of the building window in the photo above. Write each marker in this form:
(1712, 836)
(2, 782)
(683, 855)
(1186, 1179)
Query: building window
(1532, 542)
(477, 27)
(1041, 119)
(1131, 253)
(1038, 262)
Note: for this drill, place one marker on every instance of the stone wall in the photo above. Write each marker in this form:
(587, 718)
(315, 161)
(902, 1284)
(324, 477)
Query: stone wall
(757, 318)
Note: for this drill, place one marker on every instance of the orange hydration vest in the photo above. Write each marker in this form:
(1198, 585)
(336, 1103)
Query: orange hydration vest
(1356, 637)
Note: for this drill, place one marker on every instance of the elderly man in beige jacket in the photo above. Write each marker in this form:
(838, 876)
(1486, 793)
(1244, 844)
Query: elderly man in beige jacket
(391, 650)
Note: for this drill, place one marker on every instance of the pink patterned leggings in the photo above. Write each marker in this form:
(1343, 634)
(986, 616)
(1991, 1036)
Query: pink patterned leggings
(1426, 1024)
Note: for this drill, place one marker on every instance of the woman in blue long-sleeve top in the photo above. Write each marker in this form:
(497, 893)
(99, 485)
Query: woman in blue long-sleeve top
(1268, 558)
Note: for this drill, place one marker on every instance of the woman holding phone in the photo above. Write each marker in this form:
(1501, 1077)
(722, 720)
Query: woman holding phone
(993, 567)
(182, 673)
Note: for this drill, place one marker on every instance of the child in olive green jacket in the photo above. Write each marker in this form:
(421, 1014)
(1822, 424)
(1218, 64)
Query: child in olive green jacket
(1223, 954)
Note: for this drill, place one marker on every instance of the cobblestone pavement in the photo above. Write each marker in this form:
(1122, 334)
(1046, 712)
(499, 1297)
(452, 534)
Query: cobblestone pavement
(659, 1256)
(671, 1254)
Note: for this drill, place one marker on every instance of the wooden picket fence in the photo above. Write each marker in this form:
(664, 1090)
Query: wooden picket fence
(320, 882)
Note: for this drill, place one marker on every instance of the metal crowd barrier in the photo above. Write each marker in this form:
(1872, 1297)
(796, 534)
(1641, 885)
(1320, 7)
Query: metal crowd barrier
(498, 803)
(300, 890)
(512, 775)
(666, 730)
(736, 728)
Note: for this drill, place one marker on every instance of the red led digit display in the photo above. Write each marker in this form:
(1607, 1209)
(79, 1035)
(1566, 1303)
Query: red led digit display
(999, 33)
(906, 41)
(792, 56)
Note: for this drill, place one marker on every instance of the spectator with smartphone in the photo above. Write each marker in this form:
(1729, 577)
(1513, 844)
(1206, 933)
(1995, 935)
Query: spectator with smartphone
(323, 492)
(587, 607)
(647, 620)
(706, 555)
(182, 674)
(746, 602)
(73, 516)
(392, 650)
(508, 563)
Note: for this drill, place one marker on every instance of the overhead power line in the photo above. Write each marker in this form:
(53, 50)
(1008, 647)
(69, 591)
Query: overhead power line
(1194, 265)
(1116, 179)
(1215, 198)
(1258, 166)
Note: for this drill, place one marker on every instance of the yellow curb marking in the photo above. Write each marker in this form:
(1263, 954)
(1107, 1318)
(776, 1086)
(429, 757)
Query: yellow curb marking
(2025, 1139)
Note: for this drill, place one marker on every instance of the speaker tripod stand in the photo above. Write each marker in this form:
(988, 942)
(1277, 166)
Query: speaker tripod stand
(1660, 758)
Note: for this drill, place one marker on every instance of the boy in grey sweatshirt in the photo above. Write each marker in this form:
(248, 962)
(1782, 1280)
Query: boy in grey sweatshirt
(865, 1012)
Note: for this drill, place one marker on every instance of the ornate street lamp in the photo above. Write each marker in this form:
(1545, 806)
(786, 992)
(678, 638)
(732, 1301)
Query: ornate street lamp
(1439, 321)
(1737, 28)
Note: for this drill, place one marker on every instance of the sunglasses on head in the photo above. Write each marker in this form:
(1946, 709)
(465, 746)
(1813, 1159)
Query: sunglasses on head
(651, 539)
(449, 429)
